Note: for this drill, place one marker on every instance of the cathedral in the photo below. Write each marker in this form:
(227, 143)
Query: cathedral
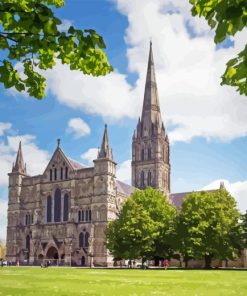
(61, 214)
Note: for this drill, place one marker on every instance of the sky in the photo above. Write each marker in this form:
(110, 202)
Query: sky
(206, 122)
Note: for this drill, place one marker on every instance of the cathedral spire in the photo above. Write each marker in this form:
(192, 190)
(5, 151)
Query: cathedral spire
(105, 151)
(151, 105)
(150, 144)
(19, 166)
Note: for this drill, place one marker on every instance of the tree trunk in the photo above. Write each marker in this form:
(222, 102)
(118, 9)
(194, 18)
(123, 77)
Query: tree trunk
(186, 260)
(208, 260)
(143, 261)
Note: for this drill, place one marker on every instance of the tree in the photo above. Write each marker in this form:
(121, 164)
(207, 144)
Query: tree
(30, 35)
(2, 249)
(228, 17)
(244, 228)
(208, 226)
(144, 227)
(132, 235)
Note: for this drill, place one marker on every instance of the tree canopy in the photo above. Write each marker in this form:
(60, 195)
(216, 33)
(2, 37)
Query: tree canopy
(228, 18)
(144, 227)
(2, 249)
(208, 226)
(30, 35)
(244, 227)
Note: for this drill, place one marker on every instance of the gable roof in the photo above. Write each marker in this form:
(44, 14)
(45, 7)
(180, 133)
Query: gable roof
(76, 165)
(124, 188)
(176, 199)
(58, 151)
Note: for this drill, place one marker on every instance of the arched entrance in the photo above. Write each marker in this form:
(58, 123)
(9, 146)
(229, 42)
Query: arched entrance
(52, 253)
(83, 261)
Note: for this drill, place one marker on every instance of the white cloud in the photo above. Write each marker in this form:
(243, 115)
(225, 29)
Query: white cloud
(4, 126)
(237, 190)
(110, 96)
(78, 127)
(3, 218)
(90, 155)
(188, 70)
(124, 171)
(36, 158)
(65, 25)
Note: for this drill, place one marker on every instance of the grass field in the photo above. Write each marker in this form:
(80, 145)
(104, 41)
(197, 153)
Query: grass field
(76, 281)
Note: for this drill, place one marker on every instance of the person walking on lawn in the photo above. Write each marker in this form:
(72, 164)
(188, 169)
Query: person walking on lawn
(166, 264)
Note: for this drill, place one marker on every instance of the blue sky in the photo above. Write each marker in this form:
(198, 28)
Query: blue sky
(206, 123)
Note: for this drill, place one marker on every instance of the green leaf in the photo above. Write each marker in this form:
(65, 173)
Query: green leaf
(233, 12)
(221, 32)
(3, 42)
(230, 72)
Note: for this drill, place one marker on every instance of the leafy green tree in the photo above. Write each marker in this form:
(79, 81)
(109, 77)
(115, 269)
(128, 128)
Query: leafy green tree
(144, 227)
(30, 35)
(2, 249)
(132, 235)
(228, 18)
(244, 228)
(208, 226)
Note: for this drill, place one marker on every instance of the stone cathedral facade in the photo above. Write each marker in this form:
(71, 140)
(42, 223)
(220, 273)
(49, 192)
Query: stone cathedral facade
(61, 214)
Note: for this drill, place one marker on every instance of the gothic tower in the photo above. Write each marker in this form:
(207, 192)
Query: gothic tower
(150, 144)
(103, 201)
(13, 242)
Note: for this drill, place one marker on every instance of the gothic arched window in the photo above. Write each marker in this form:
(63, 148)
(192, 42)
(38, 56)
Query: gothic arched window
(86, 215)
(152, 133)
(29, 219)
(90, 215)
(82, 216)
(50, 174)
(142, 154)
(142, 179)
(149, 153)
(61, 174)
(48, 209)
(55, 174)
(66, 207)
(82, 240)
(57, 206)
(86, 240)
(28, 242)
(149, 178)
(66, 173)
(79, 216)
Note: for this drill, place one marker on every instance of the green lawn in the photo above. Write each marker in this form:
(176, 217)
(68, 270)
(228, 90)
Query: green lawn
(76, 281)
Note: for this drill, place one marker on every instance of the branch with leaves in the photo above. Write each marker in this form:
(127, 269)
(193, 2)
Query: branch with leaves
(228, 18)
(30, 35)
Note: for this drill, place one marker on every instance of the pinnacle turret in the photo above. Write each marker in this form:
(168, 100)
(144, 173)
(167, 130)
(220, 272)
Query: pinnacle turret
(19, 166)
(105, 150)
